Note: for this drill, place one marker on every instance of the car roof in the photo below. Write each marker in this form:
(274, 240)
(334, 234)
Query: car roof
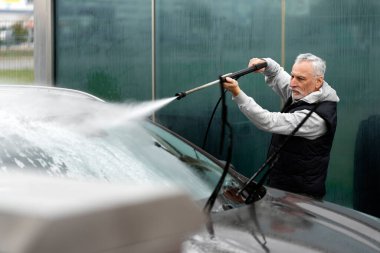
(5, 89)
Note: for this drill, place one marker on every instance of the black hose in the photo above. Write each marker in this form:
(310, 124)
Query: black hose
(210, 121)
(211, 200)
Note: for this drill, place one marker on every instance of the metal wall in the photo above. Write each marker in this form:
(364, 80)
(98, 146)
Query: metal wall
(104, 47)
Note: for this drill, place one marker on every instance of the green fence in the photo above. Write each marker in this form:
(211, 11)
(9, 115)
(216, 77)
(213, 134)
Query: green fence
(105, 48)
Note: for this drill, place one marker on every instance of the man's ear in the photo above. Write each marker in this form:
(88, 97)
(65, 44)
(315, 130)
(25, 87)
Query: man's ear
(319, 82)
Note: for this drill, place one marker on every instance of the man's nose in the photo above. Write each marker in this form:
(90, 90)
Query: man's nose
(293, 83)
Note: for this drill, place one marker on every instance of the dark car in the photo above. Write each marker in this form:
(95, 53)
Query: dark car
(70, 134)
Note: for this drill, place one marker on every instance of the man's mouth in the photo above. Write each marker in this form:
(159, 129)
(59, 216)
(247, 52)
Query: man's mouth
(296, 92)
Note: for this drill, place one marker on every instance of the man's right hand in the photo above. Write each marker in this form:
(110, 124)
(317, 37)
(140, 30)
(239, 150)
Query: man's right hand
(255, 61)
(232, 86)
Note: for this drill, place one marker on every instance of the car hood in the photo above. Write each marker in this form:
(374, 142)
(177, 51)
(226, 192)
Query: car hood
(285, 222)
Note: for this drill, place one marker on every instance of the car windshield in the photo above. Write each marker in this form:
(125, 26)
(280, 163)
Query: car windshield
(73, 142)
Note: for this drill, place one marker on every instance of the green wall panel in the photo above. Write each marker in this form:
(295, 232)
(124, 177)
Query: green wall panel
(346, 34)
(196, 42)
(104, 47)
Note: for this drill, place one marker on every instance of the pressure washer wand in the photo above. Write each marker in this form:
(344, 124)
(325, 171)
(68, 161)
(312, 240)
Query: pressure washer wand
(235, 76)
(180, 95)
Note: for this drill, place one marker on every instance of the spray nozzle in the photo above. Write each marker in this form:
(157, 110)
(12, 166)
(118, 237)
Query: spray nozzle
(180, 95)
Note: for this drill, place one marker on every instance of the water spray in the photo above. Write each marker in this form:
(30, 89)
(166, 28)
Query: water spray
(234, 75)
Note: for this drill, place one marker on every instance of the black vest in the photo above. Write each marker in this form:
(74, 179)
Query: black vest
(302, 163)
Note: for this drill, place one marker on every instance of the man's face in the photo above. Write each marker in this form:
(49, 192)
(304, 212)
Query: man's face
(303, 80)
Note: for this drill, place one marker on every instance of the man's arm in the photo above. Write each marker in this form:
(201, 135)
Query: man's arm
(277, 78)
(280, 123)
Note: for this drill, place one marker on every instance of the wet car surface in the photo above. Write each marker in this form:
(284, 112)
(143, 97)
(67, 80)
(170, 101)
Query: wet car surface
(69, 134)
(285, 222)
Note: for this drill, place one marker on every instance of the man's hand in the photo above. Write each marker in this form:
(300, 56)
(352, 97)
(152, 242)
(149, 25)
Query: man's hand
(232, 86)
(255, 61)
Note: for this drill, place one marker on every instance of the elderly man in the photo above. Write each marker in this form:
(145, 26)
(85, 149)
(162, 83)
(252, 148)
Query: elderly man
(302, 163)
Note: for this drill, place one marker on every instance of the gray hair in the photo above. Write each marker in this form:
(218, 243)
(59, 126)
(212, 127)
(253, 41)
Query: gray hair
(319, 65)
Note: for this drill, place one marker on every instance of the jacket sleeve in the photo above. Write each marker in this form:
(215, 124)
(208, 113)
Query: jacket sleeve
(280, 123)
(277, 78)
